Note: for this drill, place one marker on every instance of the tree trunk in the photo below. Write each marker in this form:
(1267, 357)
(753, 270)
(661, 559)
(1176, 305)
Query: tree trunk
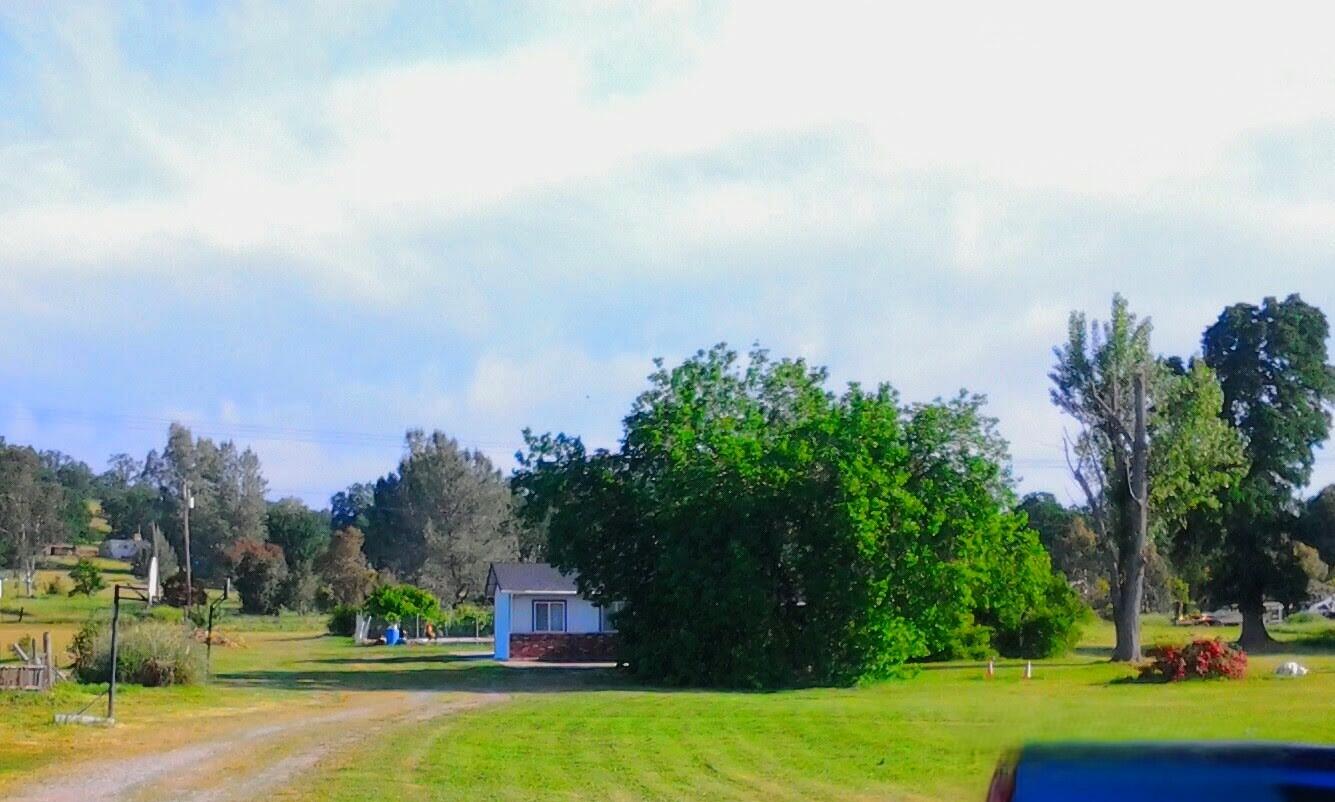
(1133, 525)
(1254, 635)
(1126, 617)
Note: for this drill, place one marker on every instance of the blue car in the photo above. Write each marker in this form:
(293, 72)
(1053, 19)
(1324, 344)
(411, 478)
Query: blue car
(1216, 772)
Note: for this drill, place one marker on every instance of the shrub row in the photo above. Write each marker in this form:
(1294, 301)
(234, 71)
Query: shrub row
(404, 603)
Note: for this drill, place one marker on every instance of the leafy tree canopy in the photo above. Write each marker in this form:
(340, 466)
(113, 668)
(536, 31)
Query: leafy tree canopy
(442, 518)
(33, 509)
(259, 571)
(299, 531)
(761, 530)
(1278, 385)
(227, 485)
(343, 568)
(351, 507)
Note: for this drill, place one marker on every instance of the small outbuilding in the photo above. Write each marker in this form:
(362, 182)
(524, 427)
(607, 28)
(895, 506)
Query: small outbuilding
(540, 615)
(120, 549)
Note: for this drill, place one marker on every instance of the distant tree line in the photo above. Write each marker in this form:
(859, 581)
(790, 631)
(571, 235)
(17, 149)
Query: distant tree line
(48, 497)
(437, 521)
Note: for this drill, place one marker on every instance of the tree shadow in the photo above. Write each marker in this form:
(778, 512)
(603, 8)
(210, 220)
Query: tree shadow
(444, 673)
(1101, 652)
(1008, 664)
(1315, 643)
(405, 659)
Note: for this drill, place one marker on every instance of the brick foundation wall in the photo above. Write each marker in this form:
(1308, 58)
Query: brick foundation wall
(561, 647)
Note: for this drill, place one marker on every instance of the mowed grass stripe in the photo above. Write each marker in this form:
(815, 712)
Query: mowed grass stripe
(934, 736)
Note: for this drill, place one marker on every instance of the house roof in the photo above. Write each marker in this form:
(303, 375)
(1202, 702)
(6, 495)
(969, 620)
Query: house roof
(529, 578)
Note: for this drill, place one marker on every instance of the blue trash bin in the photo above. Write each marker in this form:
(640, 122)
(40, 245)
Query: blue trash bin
(391, 634)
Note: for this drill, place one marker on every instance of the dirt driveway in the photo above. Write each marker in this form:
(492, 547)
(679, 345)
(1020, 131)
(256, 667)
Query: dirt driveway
(246, 759)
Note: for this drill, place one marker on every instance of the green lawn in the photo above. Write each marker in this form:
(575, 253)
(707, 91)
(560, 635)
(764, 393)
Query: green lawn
(935, 736)
(592, 734)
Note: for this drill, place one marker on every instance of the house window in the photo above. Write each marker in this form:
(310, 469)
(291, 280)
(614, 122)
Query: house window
(549, 616)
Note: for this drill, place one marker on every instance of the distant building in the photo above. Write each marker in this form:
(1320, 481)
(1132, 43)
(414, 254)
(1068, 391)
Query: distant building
(119, 549)
(540, 615)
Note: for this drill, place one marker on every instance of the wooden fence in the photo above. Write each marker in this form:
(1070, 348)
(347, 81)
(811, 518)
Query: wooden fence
(37, 673)
(26, 678)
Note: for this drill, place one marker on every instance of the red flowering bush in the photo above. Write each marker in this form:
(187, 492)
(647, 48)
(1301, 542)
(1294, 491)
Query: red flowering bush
(1200, 659)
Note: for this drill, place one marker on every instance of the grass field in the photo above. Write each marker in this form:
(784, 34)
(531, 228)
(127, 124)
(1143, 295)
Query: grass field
(576, 734)
(935, 736)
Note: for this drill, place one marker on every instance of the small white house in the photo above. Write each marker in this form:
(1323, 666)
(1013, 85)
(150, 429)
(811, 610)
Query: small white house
(540, 615)
(118, 549)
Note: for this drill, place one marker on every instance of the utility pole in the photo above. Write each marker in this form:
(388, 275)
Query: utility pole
(187, 503)
(116, 592)
(115, 652)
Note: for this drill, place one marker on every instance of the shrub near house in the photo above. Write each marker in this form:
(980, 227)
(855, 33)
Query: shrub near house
(400, 603)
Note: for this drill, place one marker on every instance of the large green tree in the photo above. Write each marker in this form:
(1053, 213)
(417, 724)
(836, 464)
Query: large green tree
(78, 493)
(260, 572)
(1278, 385)
(228, 488)
(347, 577)
(441, 518)
(760, 530)
(1149, 448)
(129, 499)
(302, 534)
(351, 507)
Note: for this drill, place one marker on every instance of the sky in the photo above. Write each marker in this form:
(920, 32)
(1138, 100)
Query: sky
(310, 226)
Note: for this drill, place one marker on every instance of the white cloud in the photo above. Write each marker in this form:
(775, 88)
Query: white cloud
(1036, 97)
(911, 192)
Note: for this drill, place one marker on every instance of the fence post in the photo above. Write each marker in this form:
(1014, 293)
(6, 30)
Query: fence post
(115, 627)
(48, 663)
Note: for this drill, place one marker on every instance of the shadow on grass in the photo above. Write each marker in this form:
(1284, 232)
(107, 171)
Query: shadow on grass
(1284, 641)
(406, 658)
(1099, 652)
(451, 672)
(1319, 642)
(1002, 664)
